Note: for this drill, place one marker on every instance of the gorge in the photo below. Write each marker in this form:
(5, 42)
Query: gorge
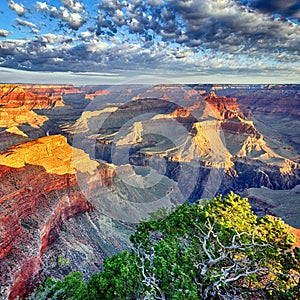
(80, 166)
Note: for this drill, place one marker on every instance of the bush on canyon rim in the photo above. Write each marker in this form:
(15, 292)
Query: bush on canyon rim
(217, 250)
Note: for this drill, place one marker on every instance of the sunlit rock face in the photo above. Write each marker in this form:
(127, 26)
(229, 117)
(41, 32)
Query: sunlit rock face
(14, 96)
(28, 112)
(39, 192)
(80, 166)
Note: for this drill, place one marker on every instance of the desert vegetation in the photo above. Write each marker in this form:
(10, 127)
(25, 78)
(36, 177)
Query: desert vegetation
(217, 249)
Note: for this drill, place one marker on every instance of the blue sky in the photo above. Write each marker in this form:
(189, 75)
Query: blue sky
(119, 41)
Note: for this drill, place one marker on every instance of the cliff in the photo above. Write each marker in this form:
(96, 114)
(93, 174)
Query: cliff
(13, 96)
(224, 107)
(53, 153)
(168, 144)
(178, 126)
(40, 193)
(17, 104)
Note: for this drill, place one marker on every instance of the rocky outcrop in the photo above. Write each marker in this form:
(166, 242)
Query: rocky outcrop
(53, 153)
(14, 96)
(40, 193)
(17, 104)
(275, 111)
(92, 96)
(189, 127)
(13, 117)
(49, 89)
(224, 107)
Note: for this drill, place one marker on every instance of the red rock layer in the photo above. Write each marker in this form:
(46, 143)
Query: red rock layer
(14, 96)
(96, 93)
(226, 108)
(51, 88)
(237, 127)
(34, 205)
(54, 92)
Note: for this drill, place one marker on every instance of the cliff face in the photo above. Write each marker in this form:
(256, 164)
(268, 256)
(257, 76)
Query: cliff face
(197, 127)
(275, 111)
(48, 89)
(13, 96)
(40, 193)
(17, 104)
(165, 145)
(224, 107)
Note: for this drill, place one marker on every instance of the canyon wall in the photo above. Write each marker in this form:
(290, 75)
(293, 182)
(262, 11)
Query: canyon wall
(134, 149)
(39, 192)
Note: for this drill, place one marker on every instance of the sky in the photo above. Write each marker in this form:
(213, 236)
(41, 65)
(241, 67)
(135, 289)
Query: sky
(151, 41)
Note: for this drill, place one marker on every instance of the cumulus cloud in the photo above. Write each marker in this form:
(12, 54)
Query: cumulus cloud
(8, 48)
(71, 13)
(85, 35)
(218, 25)
(74, 20)
(18, 8)
(26, 23)
(4, 33)
(196, 35)
(51, 38)
(227, 26)
(75, 6)
(42, 6)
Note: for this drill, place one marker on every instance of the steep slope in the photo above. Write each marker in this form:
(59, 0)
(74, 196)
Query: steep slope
(39, 192)
(150, 147)
(275, 110)
(180, 127)
(58, 203)
(14, 96)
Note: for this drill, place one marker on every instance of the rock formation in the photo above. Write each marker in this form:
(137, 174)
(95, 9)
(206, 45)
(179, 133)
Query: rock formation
(14, 96)
(40, 193)
(150, 147)
(17, 104)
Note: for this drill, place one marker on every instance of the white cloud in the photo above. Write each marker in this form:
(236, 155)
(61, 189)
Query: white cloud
(76, 6)
(95, 46)
(42, 6)
(25, 23)
(74, 20)
(4, 33)
(199, 36)
(18, 8)
(85, 35)
(51, 38)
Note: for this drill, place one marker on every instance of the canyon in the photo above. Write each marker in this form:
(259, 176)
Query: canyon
(81, 166)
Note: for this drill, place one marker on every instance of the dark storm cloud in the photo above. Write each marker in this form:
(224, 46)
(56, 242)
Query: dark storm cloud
(286, 8)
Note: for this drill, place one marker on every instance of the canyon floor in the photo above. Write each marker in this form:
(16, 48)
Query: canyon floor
(81, 166)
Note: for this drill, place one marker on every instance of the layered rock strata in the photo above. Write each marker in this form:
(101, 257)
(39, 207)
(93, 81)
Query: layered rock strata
(40, 193)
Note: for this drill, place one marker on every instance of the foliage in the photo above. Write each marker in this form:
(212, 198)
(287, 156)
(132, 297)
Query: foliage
(72, 287)
(61, 261)
(217, 251)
